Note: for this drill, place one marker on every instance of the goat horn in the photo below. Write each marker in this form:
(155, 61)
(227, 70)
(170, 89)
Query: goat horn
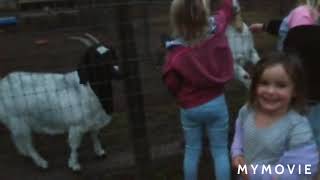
(90, 36)
(82, 39)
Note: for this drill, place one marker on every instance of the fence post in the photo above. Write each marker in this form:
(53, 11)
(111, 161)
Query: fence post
(146, 25)
(134, 93)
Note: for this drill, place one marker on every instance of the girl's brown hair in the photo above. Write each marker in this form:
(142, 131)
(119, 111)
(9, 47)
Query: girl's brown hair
(189, 19)
(293, 67)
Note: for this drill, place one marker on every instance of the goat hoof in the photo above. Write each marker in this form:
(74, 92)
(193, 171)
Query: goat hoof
(100, 153)
(75, 167)
(42, 163)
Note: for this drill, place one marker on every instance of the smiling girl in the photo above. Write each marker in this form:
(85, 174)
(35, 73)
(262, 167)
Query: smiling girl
(271, 129)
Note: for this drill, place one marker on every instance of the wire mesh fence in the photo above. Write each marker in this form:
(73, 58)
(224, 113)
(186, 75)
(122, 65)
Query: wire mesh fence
(144, 135)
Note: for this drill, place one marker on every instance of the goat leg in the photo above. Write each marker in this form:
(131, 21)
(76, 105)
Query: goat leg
(96, 143)
(22, 138)
(75, 137)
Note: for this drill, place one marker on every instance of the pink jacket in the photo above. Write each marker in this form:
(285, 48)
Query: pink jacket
(302, 15)
(197, 74)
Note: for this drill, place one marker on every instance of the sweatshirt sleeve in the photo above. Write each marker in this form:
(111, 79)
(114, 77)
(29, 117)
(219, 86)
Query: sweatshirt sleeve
(302, 147)
(306, 157)
(237, 143)
(172, 81)
(273, 26)
(302, 151)
(224, 15)
(170, 76)
(300, 16)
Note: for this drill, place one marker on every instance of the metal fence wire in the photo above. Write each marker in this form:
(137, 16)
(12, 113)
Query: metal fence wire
(41, 70)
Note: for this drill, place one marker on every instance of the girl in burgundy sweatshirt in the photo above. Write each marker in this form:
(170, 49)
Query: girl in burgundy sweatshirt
(198, 65)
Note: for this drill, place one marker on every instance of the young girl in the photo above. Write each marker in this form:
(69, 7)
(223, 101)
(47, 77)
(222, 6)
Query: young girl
(242, 47)
(306, 13)
(197, 67)
(306, 45)
(270, 129)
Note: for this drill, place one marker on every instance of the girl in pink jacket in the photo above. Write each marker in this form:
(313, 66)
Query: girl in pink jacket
(198, 65)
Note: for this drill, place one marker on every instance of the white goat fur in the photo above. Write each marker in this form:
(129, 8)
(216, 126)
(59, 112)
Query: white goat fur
(242, 47)
(50, 103)
(242, 75)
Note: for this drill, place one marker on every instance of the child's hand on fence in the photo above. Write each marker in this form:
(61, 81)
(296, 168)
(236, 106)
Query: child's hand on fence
(256, 27)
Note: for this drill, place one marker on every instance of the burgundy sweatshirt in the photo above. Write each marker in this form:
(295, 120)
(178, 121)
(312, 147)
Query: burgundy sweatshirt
(197, 74)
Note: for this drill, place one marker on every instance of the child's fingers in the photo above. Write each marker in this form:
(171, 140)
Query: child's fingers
(235, 163)
(256, 27)
(238, 161)
(242, 161)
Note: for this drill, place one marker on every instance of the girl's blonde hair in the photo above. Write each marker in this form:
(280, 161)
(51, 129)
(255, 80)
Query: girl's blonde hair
(308, 2)
(316, 3)
(189, 19)
(313, 3)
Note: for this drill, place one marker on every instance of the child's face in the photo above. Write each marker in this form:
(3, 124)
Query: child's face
(274, 90)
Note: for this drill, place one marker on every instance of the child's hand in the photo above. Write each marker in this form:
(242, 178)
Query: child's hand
(240, 161)
(256, 27)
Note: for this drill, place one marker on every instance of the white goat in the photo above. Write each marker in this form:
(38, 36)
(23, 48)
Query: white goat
(243, 51)
(50, 103)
